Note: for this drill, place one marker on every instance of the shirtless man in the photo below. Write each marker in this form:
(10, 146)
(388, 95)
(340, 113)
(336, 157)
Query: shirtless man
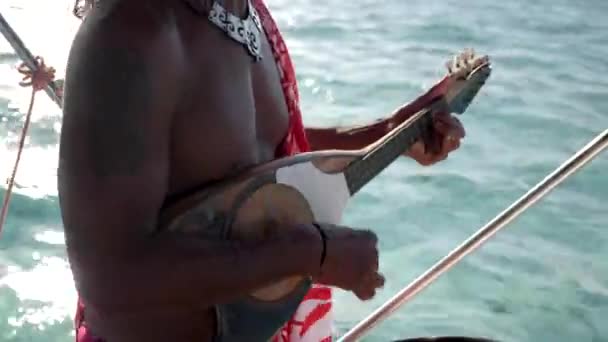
(159, 100)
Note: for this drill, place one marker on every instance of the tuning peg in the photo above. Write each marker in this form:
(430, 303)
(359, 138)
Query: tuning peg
(454, 63)
(463, 54)
(481, 60)
(469, 57)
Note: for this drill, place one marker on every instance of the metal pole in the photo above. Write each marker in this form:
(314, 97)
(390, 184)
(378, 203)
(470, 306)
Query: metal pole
(25, 55)
(577, 161)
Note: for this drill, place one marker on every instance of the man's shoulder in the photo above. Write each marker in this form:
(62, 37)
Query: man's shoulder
(136, 23)
(119, 29)
(119, 48)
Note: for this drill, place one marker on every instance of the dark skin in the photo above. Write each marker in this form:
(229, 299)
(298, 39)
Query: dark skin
(158, 101)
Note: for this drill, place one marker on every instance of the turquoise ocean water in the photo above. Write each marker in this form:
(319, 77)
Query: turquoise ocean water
(544, 278)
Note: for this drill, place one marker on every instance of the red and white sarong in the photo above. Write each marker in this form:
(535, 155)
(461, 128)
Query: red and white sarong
(312, 321)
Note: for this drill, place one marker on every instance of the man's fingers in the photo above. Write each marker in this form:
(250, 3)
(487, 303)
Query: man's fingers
(441, 125)
(366, 294)
(459, 127)
(375, 281)
(368, 290)
(379, 280)
(450, 143)
(446, 124)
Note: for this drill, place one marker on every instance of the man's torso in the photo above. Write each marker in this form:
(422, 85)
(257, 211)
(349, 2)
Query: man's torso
(232, 115)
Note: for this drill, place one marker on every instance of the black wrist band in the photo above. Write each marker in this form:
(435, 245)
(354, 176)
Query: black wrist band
(324, 239)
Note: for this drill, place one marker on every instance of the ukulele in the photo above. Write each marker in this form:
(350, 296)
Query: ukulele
(316, 186)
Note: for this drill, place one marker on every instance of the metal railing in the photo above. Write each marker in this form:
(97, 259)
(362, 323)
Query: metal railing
(540, 190)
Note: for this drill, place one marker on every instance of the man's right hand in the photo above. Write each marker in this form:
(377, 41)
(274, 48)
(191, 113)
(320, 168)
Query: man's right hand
(351, 261)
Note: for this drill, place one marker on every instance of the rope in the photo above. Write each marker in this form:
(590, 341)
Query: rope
(38, 79)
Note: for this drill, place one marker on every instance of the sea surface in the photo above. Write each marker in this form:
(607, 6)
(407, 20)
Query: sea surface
(543, 278)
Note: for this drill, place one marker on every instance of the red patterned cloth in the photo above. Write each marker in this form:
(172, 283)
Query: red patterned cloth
(296, 140)
(312, 322)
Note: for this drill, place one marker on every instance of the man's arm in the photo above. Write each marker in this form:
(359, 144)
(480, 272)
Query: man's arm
(357, 137)
(347, 138)
(448, 132)
(122, 86)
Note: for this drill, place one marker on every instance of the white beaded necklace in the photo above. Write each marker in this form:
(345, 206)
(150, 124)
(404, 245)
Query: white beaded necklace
(244, 31)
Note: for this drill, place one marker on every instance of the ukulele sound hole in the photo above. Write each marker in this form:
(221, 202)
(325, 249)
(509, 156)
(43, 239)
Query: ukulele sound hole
(264, 212)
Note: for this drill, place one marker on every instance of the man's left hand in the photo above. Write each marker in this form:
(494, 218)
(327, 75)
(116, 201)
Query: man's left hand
(448, 131)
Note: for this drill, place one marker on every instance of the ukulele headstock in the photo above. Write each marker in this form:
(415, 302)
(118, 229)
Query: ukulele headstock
(467, 73)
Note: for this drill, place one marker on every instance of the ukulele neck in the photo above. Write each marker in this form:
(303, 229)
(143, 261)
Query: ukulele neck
(365, 168)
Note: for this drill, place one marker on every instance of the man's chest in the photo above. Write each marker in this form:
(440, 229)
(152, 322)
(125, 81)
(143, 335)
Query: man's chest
(231, 105)
(227, 85)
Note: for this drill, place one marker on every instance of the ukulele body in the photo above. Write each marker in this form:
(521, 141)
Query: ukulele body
(269, 198)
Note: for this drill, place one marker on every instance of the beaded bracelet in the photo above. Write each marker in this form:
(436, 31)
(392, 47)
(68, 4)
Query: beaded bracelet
(324, 238)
